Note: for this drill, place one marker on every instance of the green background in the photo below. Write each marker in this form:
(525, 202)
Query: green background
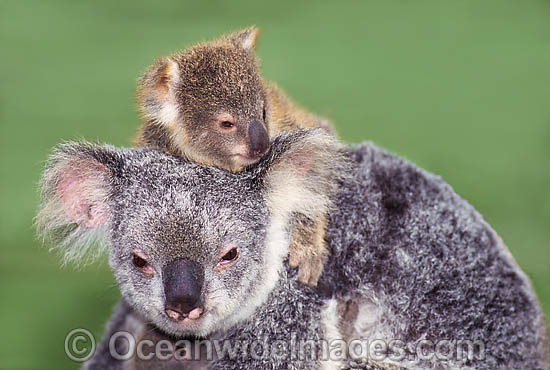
(460, 87)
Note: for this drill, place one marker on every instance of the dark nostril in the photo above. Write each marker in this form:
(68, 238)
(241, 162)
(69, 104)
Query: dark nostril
(261, 153)
(183, 305)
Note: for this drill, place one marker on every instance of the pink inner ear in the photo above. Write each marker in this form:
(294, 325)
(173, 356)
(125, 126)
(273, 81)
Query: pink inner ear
(77, 199)
(303, 164)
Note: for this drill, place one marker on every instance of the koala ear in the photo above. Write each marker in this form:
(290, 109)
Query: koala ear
(246, 38)
(156, 92)
(75, 191)
(302, 172)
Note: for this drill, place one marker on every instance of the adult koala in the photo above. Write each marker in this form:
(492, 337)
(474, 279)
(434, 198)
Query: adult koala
(200, 252)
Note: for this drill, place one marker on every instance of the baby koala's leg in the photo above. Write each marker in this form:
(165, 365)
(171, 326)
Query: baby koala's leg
(308, 249)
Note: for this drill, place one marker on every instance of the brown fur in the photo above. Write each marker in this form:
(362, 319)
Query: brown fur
(308, 249)
(184, 97)
(287, 115)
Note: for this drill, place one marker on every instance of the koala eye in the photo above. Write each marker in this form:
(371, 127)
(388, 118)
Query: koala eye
(225, 122)
(229, 256)
(139, 260)
(264, 114)
(226, 125)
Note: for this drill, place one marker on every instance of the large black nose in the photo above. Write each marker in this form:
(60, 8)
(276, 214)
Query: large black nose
(258, 139)
(183, 280)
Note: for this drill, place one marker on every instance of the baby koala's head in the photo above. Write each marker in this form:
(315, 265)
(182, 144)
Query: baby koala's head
(208, 103)
(194, 249)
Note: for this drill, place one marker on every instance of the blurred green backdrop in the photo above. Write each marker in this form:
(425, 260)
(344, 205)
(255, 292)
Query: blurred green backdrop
(460, 87)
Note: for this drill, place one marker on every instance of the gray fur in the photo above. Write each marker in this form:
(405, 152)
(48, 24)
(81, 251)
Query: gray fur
(409, 251)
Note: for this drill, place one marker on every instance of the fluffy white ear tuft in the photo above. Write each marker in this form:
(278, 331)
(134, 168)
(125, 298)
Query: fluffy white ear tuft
(246, 38)
(74, 207)
(156, 92)
(303, 172)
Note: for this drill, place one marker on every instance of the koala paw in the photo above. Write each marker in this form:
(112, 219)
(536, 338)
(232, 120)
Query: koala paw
(310, 263)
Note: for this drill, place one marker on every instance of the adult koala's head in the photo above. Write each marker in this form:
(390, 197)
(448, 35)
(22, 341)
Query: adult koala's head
(193, 248)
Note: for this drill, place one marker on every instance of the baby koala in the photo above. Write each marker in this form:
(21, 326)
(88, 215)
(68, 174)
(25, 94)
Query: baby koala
(210, 104)
(200, 252)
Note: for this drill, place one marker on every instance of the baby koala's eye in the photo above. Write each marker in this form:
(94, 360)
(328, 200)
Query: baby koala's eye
(225, 122)
(264, 114)
(226, 125)
(139, 260)
(228, 256)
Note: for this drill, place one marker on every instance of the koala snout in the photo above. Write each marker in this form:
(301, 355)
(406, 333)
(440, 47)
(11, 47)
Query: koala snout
(183, 281)
(258, 139)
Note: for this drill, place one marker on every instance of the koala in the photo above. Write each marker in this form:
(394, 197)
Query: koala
(209, 103)
(202, 253)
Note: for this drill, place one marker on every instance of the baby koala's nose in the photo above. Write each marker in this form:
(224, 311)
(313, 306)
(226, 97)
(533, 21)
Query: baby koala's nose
(183, 280)
(258, 139)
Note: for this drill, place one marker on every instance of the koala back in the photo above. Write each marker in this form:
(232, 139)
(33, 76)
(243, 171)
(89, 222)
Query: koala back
(424, 264)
